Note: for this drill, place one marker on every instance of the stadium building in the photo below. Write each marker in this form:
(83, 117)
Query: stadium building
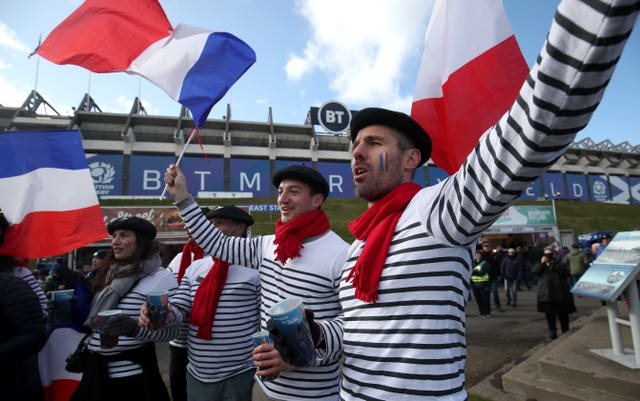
(128, 155)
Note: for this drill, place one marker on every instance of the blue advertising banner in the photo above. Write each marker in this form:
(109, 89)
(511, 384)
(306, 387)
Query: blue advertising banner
(435, 174)
(282, 163)
(577, 187)
(339, 177)
(251, 175)
(634, 187)
(599, 188)
(533, 191)
(619, 186)
(419, 177)
(203, 174)
(146, 174)
(106, 173)
(553, 185)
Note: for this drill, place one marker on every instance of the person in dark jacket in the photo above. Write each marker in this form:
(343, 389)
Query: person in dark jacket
(494, 273)
(554, 298)
(511, 271)
(22, 333)
(480, 284)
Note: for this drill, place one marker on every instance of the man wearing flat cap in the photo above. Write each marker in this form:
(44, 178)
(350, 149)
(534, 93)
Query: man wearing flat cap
(220, 304)
(131, 368)
(406, 282)
(303, 259)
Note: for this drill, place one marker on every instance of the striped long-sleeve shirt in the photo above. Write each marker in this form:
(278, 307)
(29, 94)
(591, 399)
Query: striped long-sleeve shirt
(27, 276)
(314, 277)
(228, 353)
(160, 280)
(410, 344)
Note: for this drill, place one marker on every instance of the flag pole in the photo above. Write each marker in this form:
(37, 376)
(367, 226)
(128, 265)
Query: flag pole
(184, 148)
(35, 52)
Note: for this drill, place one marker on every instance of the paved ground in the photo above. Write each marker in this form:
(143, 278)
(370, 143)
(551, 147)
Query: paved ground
(492, 342)
(506, 336)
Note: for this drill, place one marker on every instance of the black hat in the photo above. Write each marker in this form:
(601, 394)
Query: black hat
(305, 174)
(136, 224)
(100, 254)
(232, 213)
(399, 121)
(606, 236)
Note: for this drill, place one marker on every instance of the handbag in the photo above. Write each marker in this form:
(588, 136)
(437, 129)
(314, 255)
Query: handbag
(76, 361)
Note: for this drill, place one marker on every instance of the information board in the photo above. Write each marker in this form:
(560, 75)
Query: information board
(616, 267)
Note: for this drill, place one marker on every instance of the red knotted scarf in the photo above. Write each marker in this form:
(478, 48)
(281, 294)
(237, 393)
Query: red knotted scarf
(289, 236)
(205, 302)
(188, 249)
(375, 227)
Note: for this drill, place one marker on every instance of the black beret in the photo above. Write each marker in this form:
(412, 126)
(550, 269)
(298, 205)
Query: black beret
(232, 213)
(100, 254)
(136, 224)
(304, 174)
(399, 121)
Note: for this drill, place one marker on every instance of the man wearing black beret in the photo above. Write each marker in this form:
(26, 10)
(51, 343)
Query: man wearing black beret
(303, 259)
(406, 282)
(219, 304)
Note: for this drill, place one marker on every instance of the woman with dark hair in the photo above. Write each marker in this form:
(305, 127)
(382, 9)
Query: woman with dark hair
(129, 370)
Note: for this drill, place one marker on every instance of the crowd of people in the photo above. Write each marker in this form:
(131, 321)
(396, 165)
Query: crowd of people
(386, 314)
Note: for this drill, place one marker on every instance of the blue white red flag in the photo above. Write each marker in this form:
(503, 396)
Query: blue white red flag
(48, 195)
(193, 66)
(58, 384)
(471, 71)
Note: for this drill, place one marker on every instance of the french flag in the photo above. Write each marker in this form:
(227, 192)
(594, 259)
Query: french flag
(471, 71)
(57, 383)
(48, 195)
(193, 66)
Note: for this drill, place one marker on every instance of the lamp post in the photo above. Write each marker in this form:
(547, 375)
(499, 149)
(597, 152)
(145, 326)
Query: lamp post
(553, 204)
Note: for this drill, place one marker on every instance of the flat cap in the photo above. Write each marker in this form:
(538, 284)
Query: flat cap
(230, 212)
(304, 174)
(396, 120)
(136, 224)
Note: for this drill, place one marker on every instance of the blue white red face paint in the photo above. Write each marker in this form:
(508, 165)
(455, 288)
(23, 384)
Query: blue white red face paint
(384, 161)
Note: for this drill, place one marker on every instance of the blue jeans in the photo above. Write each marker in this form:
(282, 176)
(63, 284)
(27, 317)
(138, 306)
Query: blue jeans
(495, 286)
(511, 291)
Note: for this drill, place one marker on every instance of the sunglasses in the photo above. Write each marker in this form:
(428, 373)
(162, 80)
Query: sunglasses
(548, 254)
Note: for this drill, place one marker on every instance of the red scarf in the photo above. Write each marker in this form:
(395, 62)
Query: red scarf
(375, 227)
(188, 249)
(205, 303)
(289, 236)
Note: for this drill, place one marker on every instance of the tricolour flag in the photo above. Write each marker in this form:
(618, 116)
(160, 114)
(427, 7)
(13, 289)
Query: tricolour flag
(47, 194)
(193, 66)
(471, 72)
(57, 383)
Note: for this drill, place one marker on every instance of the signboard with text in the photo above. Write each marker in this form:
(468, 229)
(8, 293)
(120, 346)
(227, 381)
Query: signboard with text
(247, 175)
(616, 267)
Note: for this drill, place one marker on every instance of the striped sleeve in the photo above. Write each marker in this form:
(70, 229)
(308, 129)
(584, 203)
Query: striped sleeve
(27, 276)
(556, 101)
(234, 250)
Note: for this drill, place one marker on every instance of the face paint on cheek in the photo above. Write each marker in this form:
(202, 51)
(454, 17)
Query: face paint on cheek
(384, 161)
